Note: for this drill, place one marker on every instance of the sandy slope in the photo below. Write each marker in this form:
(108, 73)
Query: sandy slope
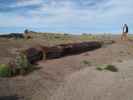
(89, 84)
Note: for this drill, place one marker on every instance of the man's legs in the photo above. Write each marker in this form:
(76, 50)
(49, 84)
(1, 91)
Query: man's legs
(124, 36)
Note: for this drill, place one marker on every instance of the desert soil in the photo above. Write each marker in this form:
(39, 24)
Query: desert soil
(89, 84)
(68, 78)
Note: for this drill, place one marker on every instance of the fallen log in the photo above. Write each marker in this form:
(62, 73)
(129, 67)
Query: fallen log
(77, 48)
(35, 54)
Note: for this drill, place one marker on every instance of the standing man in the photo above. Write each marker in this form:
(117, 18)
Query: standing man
(125, 32)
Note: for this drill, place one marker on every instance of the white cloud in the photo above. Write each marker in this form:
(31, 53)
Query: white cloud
(67, 13)
(22, 3)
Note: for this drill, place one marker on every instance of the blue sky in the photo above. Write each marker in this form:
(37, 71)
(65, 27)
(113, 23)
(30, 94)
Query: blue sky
(74, 16)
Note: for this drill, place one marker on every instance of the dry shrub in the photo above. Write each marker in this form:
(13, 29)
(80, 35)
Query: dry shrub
(22, 63)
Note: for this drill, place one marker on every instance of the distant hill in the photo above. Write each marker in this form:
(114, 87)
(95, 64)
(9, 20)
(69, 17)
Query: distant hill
(12, 35)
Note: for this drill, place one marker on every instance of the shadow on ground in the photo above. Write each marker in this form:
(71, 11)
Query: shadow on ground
(14, 97)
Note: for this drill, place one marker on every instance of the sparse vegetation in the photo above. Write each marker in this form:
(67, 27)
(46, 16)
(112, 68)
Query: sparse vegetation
(87, 37)
(54, 71)
(99, 68)
(109, 67)
(22, 64)
(5, 70)
(85, 62)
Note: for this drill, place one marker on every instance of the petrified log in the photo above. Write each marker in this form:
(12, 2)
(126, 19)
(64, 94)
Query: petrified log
(35, 54)
(76, 48)
(69, 49)
(54, 52)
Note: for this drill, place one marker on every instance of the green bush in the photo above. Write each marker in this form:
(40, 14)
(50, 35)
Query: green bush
(99, 68)
(111, 68)
(22, 64)
(5, 70)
